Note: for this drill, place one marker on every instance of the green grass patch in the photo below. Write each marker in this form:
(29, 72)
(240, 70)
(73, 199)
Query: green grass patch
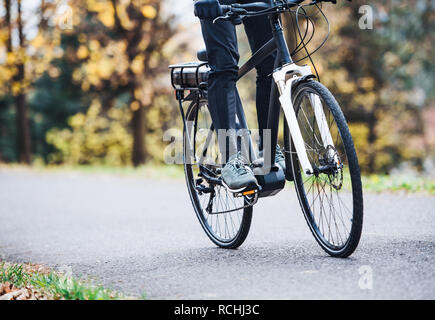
(394, 183)
(53, 285)
(375, 183)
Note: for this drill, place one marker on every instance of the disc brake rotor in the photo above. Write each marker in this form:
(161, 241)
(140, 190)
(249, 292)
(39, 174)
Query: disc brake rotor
(335, 177)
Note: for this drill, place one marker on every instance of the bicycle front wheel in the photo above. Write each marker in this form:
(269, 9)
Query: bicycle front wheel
(331, 199)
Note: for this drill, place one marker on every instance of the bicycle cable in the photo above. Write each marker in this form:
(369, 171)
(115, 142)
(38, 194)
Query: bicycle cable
(304, 45)
(308, 20)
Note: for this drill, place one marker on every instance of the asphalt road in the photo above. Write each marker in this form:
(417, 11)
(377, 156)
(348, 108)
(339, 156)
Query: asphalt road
(140, 236)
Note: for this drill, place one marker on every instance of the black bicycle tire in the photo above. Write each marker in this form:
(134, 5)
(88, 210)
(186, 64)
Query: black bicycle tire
(357, 194)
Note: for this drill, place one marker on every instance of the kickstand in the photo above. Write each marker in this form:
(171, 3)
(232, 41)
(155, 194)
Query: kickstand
(210, 202)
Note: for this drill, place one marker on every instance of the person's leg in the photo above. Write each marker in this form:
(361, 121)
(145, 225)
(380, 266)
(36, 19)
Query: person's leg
(259, 32)
(223, 57)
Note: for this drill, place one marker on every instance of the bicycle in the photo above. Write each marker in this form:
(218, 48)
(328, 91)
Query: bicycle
(319, 151)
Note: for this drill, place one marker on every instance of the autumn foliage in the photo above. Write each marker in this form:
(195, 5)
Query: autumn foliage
(86, 81)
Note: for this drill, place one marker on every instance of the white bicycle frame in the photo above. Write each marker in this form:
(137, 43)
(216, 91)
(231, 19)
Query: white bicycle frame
(285, 90)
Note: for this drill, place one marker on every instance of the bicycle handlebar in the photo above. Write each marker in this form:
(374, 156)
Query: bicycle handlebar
(256, 6)
(238, 10)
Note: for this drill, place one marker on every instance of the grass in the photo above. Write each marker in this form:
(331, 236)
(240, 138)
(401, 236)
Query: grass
(53, 285)
(396, 183)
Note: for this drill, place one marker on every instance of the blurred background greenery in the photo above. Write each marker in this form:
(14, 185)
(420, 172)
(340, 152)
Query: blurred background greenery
(85, 82)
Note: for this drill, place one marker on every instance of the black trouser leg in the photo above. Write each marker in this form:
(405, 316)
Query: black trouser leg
(259, 32)
(223, 57)
(221, 43)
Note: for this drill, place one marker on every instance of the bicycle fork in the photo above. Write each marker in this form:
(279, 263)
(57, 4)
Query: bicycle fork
(285, 90)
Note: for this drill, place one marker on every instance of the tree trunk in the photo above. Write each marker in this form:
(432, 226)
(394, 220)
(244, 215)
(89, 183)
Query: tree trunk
(371, 141)
(7, 6)
(8, 25)
(23, 136)
(139, 130)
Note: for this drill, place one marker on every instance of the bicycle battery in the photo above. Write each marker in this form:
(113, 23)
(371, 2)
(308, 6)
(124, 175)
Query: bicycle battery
(271, 183)
(189, 75)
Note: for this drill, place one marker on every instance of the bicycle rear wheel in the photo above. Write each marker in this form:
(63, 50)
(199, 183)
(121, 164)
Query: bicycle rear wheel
(225, 219)
(331, 199)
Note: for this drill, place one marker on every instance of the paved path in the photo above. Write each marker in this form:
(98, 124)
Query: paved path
(138, 235)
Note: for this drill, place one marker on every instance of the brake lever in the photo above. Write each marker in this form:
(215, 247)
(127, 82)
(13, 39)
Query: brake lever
(233, 19)
(232, 15)
(225, 18)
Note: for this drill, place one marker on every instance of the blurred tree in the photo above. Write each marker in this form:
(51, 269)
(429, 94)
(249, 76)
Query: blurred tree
(18, 89)
(95, 138)
(115, 54)
(25, 59)
(383, 77)
(121, 50)
(16, 79)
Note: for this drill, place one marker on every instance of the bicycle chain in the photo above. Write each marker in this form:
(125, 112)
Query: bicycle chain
(254, 201)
